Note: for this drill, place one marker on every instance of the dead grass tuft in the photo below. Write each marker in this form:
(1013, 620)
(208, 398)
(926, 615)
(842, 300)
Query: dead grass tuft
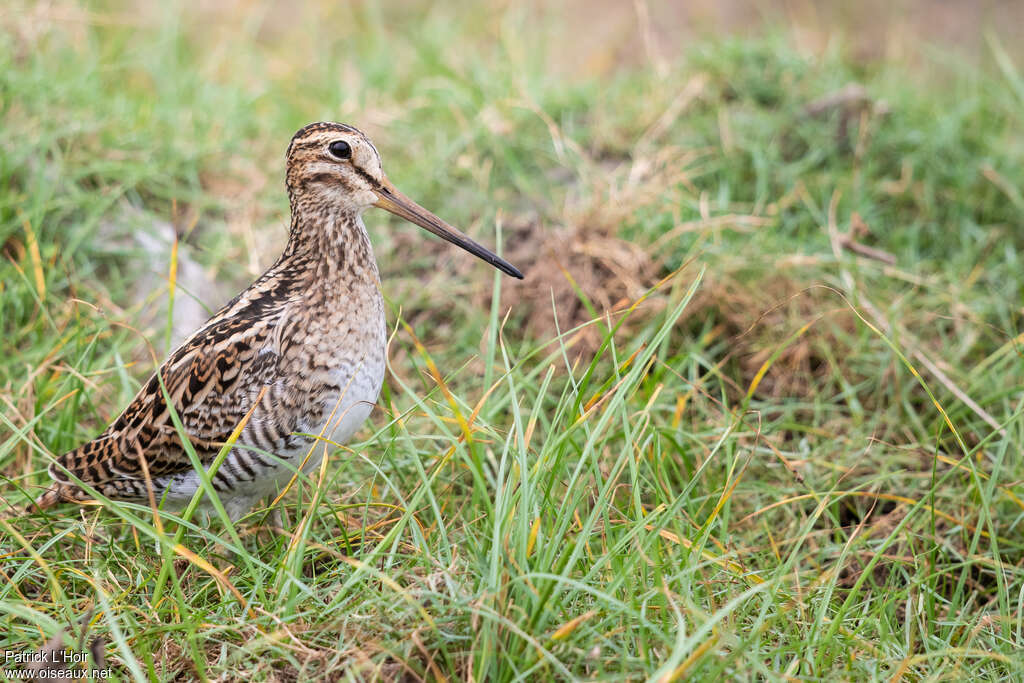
(760, 315)
(583, 267)
(571, 266)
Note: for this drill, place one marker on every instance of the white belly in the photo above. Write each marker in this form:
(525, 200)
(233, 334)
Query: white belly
(345, 415)
(345, 411)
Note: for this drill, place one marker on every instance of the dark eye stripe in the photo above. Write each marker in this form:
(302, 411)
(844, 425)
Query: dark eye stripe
(366, 176)
(340, 149)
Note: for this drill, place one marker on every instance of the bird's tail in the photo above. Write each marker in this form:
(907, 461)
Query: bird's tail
(55, 495)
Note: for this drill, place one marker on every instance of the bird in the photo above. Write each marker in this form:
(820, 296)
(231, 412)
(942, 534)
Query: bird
(300, 352)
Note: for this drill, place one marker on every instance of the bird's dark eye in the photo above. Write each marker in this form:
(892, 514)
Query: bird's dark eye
(340, 149)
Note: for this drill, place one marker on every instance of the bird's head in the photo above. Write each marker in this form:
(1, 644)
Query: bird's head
(335, 165)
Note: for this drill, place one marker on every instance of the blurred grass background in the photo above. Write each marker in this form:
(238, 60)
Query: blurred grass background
(756, 411)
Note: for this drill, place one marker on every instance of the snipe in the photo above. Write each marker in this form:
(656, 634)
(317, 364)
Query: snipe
(302, 348)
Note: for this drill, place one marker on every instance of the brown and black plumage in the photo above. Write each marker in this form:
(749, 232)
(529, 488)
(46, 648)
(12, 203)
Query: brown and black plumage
(302, 349)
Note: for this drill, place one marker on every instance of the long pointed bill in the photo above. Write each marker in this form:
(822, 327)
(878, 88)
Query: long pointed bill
(390, 199)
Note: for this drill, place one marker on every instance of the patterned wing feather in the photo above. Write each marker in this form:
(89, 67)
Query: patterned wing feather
(212, 380)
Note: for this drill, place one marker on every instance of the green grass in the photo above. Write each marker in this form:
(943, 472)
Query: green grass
(755, 472)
